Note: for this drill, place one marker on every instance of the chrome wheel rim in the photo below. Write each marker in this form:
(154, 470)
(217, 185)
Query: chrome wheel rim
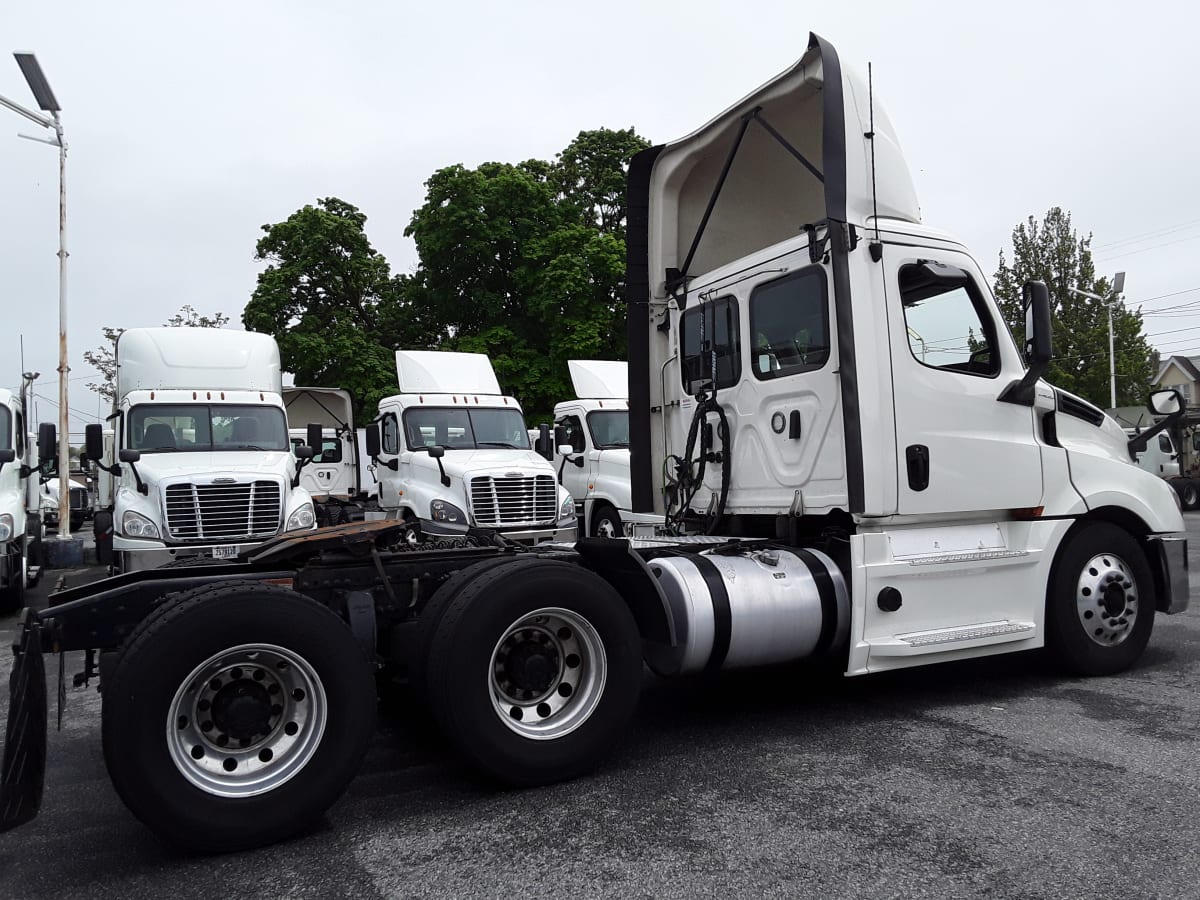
(246, 720)
(606, 528)
(547, 673)
(1106, 599)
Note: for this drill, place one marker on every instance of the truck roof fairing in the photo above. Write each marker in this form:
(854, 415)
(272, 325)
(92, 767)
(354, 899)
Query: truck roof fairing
(441, 372)
(210, 359)
(599, 379)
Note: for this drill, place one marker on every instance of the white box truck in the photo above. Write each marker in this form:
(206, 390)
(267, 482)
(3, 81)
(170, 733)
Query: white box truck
(830, 490)
(200, 463)
(595, 428)
(452, 449)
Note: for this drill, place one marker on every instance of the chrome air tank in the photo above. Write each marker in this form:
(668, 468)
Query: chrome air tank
(750, 609)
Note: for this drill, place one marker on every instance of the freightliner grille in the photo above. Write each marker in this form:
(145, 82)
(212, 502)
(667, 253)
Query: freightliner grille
(514, 499)
(223, 512)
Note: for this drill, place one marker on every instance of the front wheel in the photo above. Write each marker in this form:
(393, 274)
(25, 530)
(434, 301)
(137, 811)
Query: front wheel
(1189, 495)
(12, 596)
(236, 715)
(606, 522)
(534, 670)
(1100, 607)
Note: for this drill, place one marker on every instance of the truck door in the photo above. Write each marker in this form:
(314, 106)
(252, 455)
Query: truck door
(958, 447)
(573, 469)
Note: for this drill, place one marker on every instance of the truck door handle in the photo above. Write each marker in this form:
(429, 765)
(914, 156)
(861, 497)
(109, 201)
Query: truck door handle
(794, 425)
(918, 466)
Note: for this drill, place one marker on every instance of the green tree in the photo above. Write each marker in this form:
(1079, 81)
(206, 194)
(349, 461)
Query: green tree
(330, 301)
(1052, 251)
(526, 262)
(103, 358)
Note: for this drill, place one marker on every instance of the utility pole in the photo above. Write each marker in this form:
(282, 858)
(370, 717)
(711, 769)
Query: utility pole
(1118, 287)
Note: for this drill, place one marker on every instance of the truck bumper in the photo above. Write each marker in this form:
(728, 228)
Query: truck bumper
(567, 534)
(141, 555)
(1169, 551)
(23, 772)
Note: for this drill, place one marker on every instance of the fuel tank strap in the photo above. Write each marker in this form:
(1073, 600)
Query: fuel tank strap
(722, 614)
(828, 595)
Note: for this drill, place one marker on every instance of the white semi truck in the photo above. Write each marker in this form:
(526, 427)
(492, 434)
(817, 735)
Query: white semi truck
(595, 429)
(453, 449)
(18, 495)
(825, 488)
(199, 463)
(323, 418)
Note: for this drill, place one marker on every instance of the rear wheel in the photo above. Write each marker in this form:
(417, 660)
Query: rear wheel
(606, 522)
(1189, 494)
(534, 670)
(1100, 609)
(12, 596)
(236, 715)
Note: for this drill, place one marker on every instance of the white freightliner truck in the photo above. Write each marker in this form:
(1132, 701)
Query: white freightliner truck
(454, 449)
(850, 457)
(200, 463)
(323, 418)
(18, 494)
(596, 429)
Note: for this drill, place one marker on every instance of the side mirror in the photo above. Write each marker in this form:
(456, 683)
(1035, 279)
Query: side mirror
(561, 443)
(93, 441)
(1039, 346)
(316, 439)
(542, 445)
(437, 451)
(1165, 402)
(47, 442)
(1196, 441)
(302, 452)
(129, 456)
(373, 443)
(7, 456)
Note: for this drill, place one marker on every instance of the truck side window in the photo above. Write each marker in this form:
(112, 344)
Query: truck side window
(720, 334)
(389, 434)
(947, 321)
(1164, 444)
(789, 321)
(574, 429)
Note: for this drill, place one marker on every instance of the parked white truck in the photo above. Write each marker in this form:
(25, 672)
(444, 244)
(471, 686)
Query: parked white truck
(595, 428)
(323, 418)
(453, 449)
(200, 463)
(18, 493)
(826, 487)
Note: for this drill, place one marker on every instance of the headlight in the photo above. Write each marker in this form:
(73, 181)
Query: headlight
(304, 517)
(441, 511)
(136, 525)
(6, 526)
(567, 509)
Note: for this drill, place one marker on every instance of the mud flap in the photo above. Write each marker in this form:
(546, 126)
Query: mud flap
(23, 775)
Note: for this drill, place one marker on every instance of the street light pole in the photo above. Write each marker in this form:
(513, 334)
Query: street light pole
(1118, 286)
(48, 103)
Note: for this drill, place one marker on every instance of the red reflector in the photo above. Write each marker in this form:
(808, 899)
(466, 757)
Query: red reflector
(1029, 512)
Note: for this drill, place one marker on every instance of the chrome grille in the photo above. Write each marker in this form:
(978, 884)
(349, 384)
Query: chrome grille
(514, 499)
(221, 512)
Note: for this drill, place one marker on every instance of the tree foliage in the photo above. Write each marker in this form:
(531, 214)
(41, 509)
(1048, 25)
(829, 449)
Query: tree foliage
(1052, 251)
(103, 358)
(330, 301)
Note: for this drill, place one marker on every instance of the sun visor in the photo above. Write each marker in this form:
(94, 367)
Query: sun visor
(599, 379)
(794, 152)
(437, 372)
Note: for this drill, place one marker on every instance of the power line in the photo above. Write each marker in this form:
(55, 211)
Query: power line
(1111, 256)
(1145, 236)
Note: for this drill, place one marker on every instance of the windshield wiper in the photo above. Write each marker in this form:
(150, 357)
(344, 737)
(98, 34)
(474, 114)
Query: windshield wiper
(499, 444)
(242, 447)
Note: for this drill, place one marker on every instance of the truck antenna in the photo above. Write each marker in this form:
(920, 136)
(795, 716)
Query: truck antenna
(876, 246)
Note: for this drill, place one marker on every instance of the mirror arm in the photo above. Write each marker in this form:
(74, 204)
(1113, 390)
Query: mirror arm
(141, 485)
(1137, 443)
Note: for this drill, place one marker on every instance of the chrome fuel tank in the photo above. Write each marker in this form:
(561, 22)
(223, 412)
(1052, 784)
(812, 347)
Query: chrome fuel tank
(751, 609)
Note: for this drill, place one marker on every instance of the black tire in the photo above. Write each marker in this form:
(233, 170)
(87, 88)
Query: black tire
(427, 624)
(1101, 602)
(467, 654)
(606, 522)
(190, 637)
(1189, 494)
(12, 596)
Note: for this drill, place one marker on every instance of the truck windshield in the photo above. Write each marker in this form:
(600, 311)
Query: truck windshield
(463, 429)
(5, 428)
(609, 429)
(200, 426)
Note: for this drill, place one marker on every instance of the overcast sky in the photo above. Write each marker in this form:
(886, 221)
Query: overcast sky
(190, 126)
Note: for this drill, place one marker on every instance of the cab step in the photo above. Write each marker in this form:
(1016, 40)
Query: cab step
(962, 636)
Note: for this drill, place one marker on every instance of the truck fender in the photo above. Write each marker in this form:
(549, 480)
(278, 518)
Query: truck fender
(614, 560)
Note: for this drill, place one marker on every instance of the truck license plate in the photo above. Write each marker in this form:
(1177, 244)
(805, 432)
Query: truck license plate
(225, 552)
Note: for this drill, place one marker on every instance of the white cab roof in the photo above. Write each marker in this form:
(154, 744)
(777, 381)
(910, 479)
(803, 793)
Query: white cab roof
(324, 406)
(599, 379)
(159, 359)
(437, 372)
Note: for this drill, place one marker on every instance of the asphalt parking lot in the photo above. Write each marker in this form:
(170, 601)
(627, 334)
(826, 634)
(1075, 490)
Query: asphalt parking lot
(989, 778)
